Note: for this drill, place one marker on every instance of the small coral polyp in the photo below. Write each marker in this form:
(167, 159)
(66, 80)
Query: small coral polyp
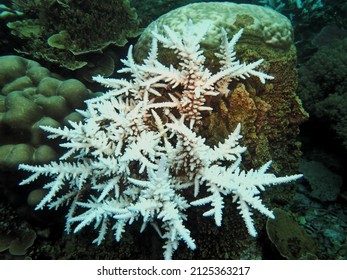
(130, 165)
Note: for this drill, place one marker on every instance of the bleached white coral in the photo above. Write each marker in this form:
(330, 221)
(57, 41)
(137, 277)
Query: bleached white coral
(160, 200)
(125, 164)
(198, 82)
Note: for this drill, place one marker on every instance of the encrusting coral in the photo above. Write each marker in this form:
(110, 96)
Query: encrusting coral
(71, 33)
(137, 155)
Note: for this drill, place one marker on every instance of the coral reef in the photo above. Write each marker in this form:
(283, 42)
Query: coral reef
(17, 245)
(325, 185)
(16, 236)
(261, 25)
(291, 240)
(7, 14)
(136, 156)
(325, 222)
(270, 115)
(67, 33)
(323, 87)
(294, 7)
(147, 14)
(32, 96)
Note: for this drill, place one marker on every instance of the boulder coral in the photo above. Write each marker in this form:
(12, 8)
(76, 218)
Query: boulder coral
(31, 96)
(270, 114)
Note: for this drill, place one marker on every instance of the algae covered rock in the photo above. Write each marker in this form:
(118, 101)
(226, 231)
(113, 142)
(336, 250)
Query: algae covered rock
(289, 237)
(325, 185)
(31, 96)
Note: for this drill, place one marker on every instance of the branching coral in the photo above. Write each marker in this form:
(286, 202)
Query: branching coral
(128, 164)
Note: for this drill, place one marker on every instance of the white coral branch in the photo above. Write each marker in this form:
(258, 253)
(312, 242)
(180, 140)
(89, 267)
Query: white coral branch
(137, 154)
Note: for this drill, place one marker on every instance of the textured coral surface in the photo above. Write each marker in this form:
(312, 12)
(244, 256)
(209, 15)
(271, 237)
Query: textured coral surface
(32, 96)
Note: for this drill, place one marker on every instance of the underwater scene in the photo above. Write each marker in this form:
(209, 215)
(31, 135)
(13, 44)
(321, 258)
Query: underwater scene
(158, 129)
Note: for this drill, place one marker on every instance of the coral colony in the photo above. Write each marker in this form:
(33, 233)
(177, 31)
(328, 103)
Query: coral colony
(136, 155)
(304, 6)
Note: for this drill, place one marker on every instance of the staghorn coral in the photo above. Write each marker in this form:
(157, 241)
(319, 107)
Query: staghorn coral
(270, 114)
(122, 166)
